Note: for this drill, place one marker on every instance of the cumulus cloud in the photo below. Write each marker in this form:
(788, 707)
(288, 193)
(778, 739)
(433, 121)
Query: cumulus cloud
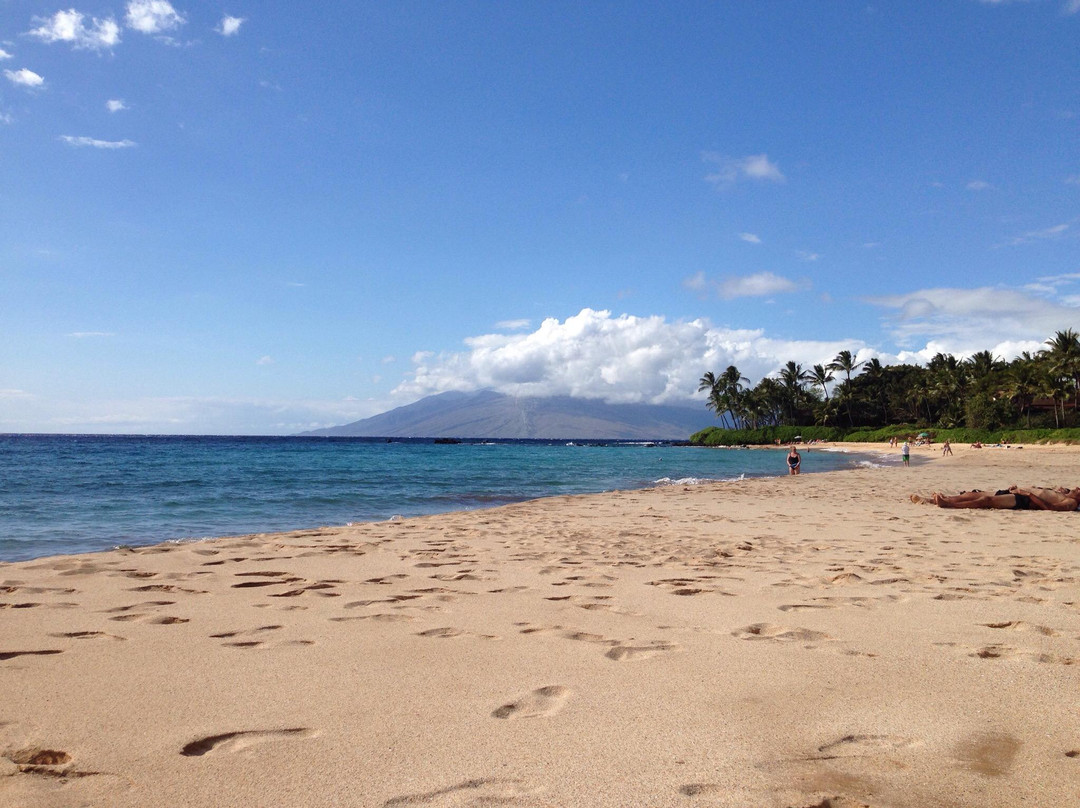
(72, 140)
(70, 26)
(229, 26)
(961, 321)
(152, 16)
(806, 255)
(25, 78)
(750, 238)
(4, 55)
(620, 359)
(729, 170)
(115, 105)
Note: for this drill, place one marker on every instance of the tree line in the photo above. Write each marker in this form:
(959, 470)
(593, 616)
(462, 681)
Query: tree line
(980, 392)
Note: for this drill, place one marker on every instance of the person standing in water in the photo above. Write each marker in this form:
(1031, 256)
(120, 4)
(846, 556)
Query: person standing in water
(794, 460)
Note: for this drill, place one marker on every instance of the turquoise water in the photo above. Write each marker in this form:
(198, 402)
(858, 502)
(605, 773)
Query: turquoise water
(81, 493)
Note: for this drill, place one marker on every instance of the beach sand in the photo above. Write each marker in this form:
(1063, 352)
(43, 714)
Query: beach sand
(812, 641)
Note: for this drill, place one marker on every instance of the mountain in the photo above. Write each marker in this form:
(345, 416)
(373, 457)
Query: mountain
(487, 414)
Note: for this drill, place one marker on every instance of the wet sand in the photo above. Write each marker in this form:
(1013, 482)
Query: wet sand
(806, 642)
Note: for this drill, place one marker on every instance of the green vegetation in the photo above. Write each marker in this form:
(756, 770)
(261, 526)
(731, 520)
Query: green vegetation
(1031, 399)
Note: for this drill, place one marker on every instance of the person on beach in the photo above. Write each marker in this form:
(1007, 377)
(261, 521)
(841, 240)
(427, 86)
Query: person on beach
(905, 453)
(794, 460)
(1013, 498)
(946, 449)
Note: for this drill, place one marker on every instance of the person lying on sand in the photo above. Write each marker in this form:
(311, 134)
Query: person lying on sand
(1013, 498)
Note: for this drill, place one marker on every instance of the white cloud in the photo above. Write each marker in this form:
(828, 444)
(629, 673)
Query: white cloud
(512, 325)
(4, 55)
(750, 238)
(265, 360)
(13, 393)
(152, 16)
(1071, 6)
(962, 321)
(730, 170)
(25, 78)
(229, 26)
(91, 334)
(616, 358)
(979, 185)
(72, 140)
(115, 105)
(757, 285)
(806, 255)
(69, 26)
(1048, 233)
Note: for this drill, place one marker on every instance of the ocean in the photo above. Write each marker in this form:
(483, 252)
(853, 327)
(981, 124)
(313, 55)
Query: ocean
(63, 494)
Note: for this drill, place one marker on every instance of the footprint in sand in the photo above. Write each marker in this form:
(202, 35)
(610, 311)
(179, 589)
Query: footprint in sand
(543, 701)
(1020, 625)
(87, 635)
(237, 741)
(13, 654)
(768, 631)
(861, 746)
(138, 617)
(629, 653)
(989, 753)
(447, 633)
(480, 791)
(1006, 652)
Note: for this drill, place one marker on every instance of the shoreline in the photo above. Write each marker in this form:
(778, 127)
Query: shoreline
(128, 535)
(795, 641)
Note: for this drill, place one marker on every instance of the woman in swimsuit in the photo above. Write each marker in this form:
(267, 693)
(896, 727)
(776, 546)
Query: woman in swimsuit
(794, 460)
(1013, 498)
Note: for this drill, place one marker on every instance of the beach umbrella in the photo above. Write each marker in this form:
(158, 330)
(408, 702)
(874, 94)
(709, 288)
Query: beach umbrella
(924, 434)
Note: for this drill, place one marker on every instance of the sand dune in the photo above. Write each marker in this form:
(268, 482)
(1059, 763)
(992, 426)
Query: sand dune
(812, 641)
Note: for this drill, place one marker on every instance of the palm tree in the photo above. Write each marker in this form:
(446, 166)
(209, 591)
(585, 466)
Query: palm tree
(793, 377)
(821, 376)
(873, 377)
(732, 382)
(1026, 379)
(846, 362)
(1063, 353)
(715, 401)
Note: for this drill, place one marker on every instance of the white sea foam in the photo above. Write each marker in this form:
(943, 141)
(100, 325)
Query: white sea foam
(698, 480)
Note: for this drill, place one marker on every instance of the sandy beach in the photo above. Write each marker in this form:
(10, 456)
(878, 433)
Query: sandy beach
(818, 641)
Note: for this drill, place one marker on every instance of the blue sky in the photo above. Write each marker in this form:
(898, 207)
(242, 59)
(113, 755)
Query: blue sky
(259, 218)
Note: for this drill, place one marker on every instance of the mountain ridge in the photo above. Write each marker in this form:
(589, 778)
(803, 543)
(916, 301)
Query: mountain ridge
(488, 414)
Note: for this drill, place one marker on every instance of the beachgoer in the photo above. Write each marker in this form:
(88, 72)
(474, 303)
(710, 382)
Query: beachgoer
(905, 453)
(1013, 498)
(946, 449)
(794, 460)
